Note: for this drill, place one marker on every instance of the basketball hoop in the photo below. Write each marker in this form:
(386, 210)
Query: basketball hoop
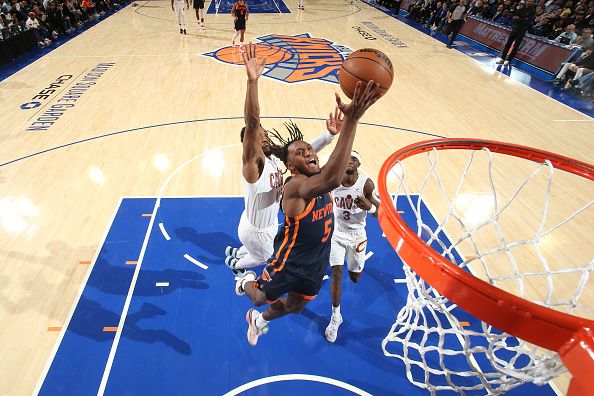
(440, 280)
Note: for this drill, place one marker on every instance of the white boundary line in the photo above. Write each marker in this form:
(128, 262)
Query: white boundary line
(296, 377)
(194, 261)
(164, 232)
(75, 304)
(118, 335)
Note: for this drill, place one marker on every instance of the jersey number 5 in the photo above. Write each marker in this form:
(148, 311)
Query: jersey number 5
(327, 230)
(346, 215)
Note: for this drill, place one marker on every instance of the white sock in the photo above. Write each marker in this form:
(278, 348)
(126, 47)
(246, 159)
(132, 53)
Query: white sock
(335, 310)
(261, 322)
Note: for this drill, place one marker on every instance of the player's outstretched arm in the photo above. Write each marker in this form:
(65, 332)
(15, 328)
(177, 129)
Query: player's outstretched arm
(367, 201)
(332, 173)
(333, 127)
(253, 156)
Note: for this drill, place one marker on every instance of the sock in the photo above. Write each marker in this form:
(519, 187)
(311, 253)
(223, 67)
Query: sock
(335, 310)
(261, 322)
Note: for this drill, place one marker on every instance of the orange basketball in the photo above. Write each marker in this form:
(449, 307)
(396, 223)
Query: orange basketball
(364, 65)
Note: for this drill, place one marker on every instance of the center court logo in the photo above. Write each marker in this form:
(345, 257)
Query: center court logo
(292, 59)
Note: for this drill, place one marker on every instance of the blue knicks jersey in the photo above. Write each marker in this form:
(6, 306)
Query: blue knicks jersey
(302, 245)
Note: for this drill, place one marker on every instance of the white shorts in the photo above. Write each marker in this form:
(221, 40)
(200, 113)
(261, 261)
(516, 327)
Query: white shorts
(351, 245)
(259, 243)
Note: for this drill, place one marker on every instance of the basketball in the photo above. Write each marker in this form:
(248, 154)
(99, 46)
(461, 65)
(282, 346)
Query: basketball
(364, 65)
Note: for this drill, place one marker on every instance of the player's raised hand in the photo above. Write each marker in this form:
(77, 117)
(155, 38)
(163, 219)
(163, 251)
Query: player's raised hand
(334, 122)
(363, 203)
(361, 101)
(253, 65)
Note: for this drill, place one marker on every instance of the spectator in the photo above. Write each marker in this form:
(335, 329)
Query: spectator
(584, 40)
(584, 85)
(566, 12)
(498, 13)
(523, 18)
(485, 12)
(439, 17)
(567, 36)
(40, 33)
(584, 65)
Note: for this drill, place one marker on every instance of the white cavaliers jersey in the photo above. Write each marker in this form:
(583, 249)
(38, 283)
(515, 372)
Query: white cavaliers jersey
(348, 215)
(262, 197)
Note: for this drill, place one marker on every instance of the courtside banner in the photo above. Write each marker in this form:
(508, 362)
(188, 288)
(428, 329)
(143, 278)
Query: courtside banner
(534, 50)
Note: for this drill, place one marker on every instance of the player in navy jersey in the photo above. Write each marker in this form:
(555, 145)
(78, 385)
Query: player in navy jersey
(240, 13)
(302, 245)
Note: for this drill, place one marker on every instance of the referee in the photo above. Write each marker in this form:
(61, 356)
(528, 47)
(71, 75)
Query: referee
(456, 18)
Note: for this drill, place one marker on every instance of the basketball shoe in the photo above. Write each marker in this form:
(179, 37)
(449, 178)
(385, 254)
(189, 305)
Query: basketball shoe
(254, 331)
(332, 329)
(247, 276)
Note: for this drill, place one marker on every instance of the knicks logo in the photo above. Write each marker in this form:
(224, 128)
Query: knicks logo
(292, 59)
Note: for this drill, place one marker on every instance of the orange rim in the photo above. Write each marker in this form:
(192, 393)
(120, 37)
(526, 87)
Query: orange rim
(536, 324)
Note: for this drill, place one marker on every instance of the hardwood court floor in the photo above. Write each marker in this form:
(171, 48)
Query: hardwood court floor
(172, 104)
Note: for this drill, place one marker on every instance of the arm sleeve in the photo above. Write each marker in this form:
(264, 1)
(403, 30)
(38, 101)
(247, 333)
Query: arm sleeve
(321, 141)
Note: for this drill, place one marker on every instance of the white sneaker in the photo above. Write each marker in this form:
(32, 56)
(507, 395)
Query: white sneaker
(506, 63)
(254, 331)
(499, 60)
(332, 329)
(230, 251)
(247, 277)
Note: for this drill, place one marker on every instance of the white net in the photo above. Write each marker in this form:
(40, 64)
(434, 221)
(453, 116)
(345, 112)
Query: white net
(512, 227)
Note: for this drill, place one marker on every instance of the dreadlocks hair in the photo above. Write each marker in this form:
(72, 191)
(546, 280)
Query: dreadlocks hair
(280, 147)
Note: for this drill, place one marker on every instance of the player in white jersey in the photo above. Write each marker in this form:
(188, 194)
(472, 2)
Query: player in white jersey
(180, 6)
(263, 180)
(353, 199)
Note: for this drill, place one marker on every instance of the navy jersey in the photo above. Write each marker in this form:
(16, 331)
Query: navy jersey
(302, 245)
(240, 11)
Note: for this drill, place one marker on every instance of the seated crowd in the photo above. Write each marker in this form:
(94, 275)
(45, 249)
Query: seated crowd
(564, 21)
(49, 19)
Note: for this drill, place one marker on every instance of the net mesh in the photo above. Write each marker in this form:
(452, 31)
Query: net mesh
(442, 347)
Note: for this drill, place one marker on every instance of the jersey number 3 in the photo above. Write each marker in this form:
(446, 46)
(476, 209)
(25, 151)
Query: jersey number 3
(327, 230)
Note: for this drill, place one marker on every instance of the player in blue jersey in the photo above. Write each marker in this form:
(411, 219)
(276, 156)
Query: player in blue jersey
(302, 245)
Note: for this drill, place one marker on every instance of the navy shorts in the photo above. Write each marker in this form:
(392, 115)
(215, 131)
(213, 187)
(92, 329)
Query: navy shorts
(276, 284)
(198, 4)
(240, 25)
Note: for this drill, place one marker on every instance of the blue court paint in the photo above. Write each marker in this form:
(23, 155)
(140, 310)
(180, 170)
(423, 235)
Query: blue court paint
(82, 355)
(189, 337)
(255, 7)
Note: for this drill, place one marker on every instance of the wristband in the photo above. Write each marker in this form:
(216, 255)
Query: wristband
(373, 209)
